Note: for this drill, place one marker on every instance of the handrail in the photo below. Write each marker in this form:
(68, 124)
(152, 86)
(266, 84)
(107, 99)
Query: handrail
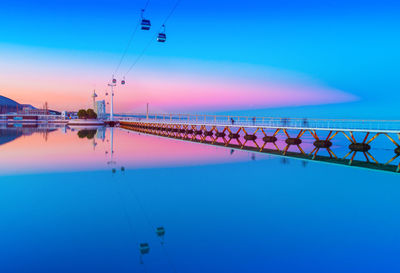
(251, 117)
(268, 122)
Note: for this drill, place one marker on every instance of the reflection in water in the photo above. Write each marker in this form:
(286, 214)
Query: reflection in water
(89, 134)
(51, 149)
(143, 246)
(100, 134)
(9, 134)
(135, 150)
(180, 219)
(294, 148)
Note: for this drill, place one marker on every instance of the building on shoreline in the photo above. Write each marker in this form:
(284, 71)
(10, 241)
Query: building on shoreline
(100, 109)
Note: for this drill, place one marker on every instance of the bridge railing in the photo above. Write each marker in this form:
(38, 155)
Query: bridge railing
(273, 122)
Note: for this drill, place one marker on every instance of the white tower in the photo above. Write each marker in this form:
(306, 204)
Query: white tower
(94, 96)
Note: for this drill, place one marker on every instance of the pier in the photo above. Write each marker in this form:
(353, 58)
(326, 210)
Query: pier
(261, 134)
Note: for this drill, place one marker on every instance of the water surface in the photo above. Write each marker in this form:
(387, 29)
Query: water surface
(73, 203)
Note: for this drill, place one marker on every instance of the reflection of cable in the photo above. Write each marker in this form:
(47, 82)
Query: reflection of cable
(144, 265)
(152, 38)
(130, 224)
(153, 228)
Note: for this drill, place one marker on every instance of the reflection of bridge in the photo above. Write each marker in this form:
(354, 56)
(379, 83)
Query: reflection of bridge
(252, 133)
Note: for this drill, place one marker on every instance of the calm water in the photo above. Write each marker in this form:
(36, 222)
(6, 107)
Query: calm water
(64, 209)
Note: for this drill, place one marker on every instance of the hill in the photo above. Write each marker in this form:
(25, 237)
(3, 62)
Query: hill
(8, 105)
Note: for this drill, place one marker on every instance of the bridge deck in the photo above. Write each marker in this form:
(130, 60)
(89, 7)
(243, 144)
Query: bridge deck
(371, 126)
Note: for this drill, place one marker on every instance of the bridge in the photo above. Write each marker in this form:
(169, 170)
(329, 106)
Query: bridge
(266, 134)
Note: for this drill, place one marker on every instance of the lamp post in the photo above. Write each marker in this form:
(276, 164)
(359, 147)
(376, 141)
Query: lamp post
(111, 162)
(112, 85)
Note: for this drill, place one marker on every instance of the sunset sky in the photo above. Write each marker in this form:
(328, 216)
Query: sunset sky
(219, 56)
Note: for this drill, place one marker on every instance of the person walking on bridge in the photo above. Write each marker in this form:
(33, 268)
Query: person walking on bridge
(305, 122)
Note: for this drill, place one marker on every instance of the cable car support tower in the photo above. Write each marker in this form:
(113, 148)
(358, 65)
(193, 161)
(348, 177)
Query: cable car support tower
(112, 85)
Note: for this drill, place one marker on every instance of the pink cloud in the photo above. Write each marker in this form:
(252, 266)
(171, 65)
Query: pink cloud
(200, 93)
(67, 85)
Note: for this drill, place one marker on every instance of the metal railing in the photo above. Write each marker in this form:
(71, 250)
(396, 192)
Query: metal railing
(6, 117)
(268, 122)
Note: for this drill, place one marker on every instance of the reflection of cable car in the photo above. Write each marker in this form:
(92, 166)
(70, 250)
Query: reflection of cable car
(161, 36)
(144, 248)
(146, 24)
(160, 231)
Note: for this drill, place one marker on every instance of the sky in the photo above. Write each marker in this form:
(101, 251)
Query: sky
(311, 58)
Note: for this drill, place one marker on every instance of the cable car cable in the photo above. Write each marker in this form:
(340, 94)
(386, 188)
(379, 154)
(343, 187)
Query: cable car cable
(127, 47)
(153, 38)
(130, 39)
(171, 12)
(141, 54)
(147, 3)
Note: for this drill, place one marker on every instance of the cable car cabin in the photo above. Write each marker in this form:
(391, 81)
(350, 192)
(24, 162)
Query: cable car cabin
(114, 81)
(123, 82)
(145, 24)
(161, 37)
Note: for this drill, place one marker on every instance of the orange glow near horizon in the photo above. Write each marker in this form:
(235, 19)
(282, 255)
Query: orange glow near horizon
(69, 85)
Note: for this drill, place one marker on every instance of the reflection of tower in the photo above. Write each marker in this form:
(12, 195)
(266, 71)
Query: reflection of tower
(111, 162)
(112, 85)
(94, 96)
(45, 135)
(94, 144)
(101, 133)
(64, 129)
